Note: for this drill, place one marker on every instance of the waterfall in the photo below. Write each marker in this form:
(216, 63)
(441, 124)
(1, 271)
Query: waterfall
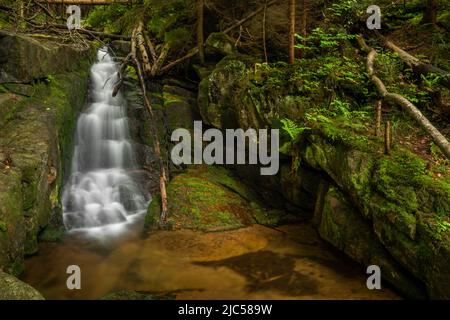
(99, 191)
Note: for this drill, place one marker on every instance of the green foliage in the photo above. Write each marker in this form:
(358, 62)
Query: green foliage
(390, 69)
(346, 12)
(114, 18)
(320, 40)
(171, 21)
(292, 129)
(431, 80)
(178, 37)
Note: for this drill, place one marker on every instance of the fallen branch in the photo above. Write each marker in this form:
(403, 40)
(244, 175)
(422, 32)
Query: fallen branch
(140, 44)
(156, 68)
(120, 73)
(418, 66)
(174, 63)
(150, 46)
(424, 123)
(87, 32)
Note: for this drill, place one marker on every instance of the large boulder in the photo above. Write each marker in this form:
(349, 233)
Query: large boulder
(29, 57)
(341, 225)
(12, 288)
(211, 199)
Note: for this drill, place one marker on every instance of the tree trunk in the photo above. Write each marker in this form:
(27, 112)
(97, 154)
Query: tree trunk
(200, 40)
(304, 24)
(264, 31)
(430, 15)
(387, 138)
(22, 9)
(292, 7)
(378, 115)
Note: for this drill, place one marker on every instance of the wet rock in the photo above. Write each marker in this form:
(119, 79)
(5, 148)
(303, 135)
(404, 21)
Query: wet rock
(121, 47)
(110, 216)
(14, 289)
(127, 198)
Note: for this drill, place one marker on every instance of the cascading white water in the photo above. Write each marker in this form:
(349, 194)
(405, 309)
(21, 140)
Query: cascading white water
(99, 191)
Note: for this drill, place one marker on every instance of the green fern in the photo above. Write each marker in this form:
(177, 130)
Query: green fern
(292, 129)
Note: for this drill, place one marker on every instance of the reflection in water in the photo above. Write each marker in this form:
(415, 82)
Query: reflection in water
(251, 263)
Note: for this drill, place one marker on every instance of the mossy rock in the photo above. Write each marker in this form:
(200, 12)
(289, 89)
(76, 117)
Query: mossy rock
(36, 131)
(342, 225)
(52, 234)
(51, 56)
(12, 229)
(12, 288)
(209, 198)
(219, 44)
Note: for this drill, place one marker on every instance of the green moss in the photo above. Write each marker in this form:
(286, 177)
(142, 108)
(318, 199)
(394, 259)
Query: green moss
(403, 180)
(153, 214)
(204, 198)
(3, 226)
(52, 234)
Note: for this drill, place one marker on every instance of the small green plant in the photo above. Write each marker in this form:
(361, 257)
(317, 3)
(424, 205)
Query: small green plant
(292, 129)
(431, 80)
(341, 107)
(330, 39)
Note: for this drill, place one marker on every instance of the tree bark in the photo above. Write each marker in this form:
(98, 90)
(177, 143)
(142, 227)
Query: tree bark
(292, 8)
(303, 24)
(200, 40)
(430, 14)
(440, 140)
(387, 138)
(266, 59)
(140, 43)
(378, 116)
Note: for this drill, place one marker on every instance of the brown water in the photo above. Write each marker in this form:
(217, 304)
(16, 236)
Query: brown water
(290, 262)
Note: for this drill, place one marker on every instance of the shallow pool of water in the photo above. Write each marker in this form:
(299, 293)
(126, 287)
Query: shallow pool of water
(290, 262)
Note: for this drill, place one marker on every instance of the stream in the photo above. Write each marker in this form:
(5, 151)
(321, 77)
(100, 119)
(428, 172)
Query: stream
(104, 211)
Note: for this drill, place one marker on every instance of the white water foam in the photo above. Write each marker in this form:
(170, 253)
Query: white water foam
(100, 196)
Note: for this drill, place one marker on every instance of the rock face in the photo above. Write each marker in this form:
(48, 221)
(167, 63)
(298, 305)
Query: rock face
(379, 210)
(14, 289)
(24, 58)
(36, 122)
(339, 223)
